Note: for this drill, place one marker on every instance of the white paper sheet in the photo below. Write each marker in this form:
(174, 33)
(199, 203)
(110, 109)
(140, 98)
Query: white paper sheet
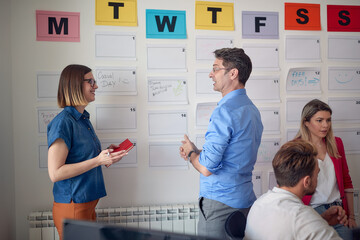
(203, 114)
(267, 150)
(204, 84)
(263, 88)
(345, 48)
(270, 118)
(205, 46)
(350, 138)
(167, 123)
(116, 81)
(345, 109)
(115, 45)
(302, 48)
(272, 180)
(264, 57)
(303, 81)
(166, 155)
(167, 90)
(116, 118)
(166, 57)
(45, 115)
(294, 108)
(344, 79)
(257, 183)
(43, 155)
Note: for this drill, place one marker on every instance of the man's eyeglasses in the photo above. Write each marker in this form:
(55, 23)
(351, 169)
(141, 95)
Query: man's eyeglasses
(91, 81)
(214, 70)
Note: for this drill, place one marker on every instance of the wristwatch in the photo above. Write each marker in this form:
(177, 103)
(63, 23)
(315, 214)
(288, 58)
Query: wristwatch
(189, 155)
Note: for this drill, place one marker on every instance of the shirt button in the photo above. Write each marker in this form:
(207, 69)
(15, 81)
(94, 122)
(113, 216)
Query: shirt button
(88, 128)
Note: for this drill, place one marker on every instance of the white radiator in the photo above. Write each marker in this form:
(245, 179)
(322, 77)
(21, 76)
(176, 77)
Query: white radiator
(178, 218)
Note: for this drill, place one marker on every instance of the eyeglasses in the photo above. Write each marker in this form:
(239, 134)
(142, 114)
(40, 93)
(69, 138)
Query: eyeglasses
(91, 81)
(214, 70)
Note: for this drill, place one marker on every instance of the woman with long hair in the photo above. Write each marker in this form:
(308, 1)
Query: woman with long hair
(334, 182)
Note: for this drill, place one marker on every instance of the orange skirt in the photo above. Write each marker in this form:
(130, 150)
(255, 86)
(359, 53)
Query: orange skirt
(79, 211)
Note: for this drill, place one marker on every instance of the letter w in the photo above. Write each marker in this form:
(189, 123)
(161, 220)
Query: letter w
(161, 25)
(63, 23)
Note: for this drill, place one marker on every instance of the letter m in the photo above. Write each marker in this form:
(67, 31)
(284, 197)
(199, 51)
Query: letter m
(63, 24)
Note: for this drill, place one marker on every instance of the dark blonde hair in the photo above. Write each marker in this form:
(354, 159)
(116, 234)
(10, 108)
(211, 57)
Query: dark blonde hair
(294, 161)
(309, 110)
(70, 86)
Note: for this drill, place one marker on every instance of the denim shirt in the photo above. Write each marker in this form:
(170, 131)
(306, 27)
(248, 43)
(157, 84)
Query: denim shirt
(79, 136)
(230, 151)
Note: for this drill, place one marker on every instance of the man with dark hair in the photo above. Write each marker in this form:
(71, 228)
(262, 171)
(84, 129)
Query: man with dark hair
(280, 213)
(232, 140)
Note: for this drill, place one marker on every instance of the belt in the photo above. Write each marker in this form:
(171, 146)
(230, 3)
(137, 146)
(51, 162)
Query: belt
(328, 205)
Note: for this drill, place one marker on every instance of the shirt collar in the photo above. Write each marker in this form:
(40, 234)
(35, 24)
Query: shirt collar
(280, 190)
(232, 94)
(75, 114)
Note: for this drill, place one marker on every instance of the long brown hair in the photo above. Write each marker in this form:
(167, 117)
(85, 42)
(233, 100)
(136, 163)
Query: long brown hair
(309, 110)
(70, 86)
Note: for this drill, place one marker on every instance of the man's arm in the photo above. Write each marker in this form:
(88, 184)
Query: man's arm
(189, 147)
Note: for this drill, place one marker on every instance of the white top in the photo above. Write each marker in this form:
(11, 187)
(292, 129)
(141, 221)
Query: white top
(327, 190)
(279, 214)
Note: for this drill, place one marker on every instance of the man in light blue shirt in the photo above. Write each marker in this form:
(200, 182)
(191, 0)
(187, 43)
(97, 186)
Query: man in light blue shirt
(231, 144)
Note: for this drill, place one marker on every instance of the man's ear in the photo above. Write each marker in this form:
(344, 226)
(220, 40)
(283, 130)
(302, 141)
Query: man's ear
(234, 73)
(306, 182)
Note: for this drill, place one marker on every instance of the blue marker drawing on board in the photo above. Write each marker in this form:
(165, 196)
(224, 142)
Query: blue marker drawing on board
(344, 78)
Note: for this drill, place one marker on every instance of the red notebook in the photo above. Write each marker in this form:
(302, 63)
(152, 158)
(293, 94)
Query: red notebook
(125, 145)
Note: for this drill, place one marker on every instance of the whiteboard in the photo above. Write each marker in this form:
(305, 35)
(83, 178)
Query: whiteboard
(263, 88)
(350, 138)
(294, 108)
(200, 141)
(205, 46)
(345, 109)
(47, 85)
(167, 90)
(291, 133)
(117, 118)
(204, 84)
(270, 118)
(302, 48)
(129, 160)
(257, 183)
(267, 150)
(344, 48)
(167, 123)
(45, 116)
(264, 57)
(166, 57)
(166, 155)
(116, 81)
(272, 180)
(115, 45)
(344, 78)
(43, 155)
(303, 80)
(203, 114)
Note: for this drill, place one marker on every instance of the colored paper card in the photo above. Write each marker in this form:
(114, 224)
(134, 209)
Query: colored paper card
(263, 25)
(214, 15)
(343, 18)
(116, 13)
(302, 16)
(165, 24)
(57, 26)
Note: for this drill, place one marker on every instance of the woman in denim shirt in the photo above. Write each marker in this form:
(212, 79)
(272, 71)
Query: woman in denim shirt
(75, 156)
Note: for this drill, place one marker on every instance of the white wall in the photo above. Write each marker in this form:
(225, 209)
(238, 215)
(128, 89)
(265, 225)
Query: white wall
(7, 183)
(126, 186)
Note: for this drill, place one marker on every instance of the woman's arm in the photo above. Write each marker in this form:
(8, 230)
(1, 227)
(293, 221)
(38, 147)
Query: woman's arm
(349, 195)
(58, 170)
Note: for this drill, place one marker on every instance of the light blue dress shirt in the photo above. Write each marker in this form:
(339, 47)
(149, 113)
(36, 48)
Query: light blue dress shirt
(83, 144)
(230, 151)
